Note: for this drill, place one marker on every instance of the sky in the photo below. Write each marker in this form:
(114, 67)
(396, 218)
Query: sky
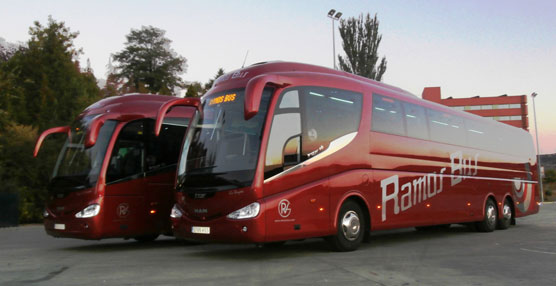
(468, 48)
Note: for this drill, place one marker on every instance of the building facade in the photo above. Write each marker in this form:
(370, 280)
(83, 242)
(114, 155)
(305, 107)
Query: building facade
(511, 110)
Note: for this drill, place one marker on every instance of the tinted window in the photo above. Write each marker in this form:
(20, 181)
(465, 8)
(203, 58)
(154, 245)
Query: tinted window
(446, 128)
(328, 114)
(317, 116)
(416, 121)
(387, 115)
(286, 124)
(138, 151)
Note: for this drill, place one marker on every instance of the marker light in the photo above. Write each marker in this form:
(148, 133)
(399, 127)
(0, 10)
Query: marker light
(321, 209)
(89, 211)
(152, 212)
(45, 213)
(249, 211)
(175, 212)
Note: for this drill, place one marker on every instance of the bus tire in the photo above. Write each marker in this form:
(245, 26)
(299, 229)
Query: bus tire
(350, 230)
(146, 238)
(506, 220)
(488, 224)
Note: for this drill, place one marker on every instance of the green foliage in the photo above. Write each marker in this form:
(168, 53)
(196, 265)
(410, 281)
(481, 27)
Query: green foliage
(195, 89)
(360, 41)
(148, 64)
(41, 86)
(211, 81)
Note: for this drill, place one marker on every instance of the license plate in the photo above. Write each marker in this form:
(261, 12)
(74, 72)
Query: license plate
(59, 226)
(200, 229)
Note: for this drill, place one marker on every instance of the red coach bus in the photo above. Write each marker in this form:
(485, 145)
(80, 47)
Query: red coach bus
(282, 151)
(113, 177)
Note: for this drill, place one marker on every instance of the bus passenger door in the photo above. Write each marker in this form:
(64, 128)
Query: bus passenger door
(162, 154)
(124, 202)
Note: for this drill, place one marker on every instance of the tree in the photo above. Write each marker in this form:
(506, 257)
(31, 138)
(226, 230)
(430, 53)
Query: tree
(360, 41)
(44, 83)
(194, 89)
(148, 64)
(41, 86)
(211, 81)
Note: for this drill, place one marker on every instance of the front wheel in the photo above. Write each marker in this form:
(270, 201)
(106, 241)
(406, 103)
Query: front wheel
(350, 230)
(488, 224)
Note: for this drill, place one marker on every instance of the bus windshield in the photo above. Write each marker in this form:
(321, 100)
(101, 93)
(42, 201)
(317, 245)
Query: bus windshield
(221, 147)
(78, 167)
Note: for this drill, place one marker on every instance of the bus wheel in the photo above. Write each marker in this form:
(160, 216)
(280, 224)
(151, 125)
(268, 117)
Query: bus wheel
(488, 224)
(146, 238)
(350, 231)
(506, 219)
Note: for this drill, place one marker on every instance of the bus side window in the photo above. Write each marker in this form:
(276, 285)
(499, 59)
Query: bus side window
(127, 159)
(446, 128)
(285, 125)
(163, 151)
(387, 115)
(328, 114)
(415, 121)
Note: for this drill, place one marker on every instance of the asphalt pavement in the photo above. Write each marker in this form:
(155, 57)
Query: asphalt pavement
(525, 254)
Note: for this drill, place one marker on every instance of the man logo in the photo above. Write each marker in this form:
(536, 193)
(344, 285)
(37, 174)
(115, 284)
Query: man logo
(123, 210)
(284, 209)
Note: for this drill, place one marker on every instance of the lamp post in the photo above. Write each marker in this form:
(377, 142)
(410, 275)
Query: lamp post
(335, 16)
(533, 95)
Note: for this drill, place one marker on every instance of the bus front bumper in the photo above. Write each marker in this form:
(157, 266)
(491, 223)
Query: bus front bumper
(72, 228)
(220, 230)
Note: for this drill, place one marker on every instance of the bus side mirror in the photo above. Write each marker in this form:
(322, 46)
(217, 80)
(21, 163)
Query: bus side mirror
(44, 134)
(165, 108)
(292, 152)
(98, 122)
(254, 91)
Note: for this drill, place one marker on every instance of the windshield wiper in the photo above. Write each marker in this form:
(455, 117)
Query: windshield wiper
(217, 183)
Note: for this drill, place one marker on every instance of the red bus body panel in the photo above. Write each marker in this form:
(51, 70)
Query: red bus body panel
(456, 181)
(130, 208)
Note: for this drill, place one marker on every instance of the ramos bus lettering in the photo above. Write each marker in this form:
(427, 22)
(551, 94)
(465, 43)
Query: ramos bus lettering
(423, 188)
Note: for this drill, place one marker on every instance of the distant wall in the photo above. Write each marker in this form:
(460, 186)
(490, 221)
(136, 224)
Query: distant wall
(548, 161)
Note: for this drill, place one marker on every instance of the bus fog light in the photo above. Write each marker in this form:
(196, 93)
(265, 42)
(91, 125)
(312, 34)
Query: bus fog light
(244, 229)
(175, 213)
(249, 211)
(89, 211)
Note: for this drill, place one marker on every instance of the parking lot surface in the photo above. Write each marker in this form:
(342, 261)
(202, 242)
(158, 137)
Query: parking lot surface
(525, 254)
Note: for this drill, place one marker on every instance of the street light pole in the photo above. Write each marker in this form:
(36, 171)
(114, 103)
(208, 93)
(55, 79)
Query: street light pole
(335, 16)
(533, 95)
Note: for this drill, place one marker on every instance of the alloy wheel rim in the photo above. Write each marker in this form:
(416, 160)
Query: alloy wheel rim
(351, 225)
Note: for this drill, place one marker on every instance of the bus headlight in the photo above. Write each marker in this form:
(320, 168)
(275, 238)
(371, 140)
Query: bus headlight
(249, 211)
(175, 212)
(89, 211)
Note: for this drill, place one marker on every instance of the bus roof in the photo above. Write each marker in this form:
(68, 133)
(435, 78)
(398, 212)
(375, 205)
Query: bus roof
(143, 105)
(240, 77)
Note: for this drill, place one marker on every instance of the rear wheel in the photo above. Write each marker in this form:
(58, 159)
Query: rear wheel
(488, 224)
(146, 238)
(350, 232)
(506, 219)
